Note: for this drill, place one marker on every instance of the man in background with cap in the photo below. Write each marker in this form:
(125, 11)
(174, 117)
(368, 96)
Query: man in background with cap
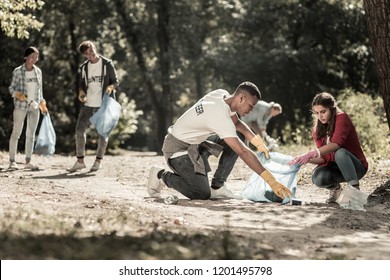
(259, 117)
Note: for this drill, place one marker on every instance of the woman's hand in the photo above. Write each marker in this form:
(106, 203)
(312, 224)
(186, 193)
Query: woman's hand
(305, 158)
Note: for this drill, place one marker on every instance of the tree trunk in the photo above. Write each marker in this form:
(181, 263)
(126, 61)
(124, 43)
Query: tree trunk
(163, 43)
(378, 23)
(74, 65)
(133, 39)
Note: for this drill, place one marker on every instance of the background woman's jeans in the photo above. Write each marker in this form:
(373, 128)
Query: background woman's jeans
(347, 168)
(194, 185)
(18, 123)
(81, 126)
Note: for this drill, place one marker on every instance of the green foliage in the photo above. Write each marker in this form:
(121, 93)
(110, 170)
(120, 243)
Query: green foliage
(291, 48)
(300, 134)
(294, 49)
(368, 116)
(16, 17)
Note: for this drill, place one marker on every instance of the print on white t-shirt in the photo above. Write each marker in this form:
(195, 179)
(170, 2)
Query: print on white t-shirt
(95, 82)
(210, 115)
(32, 83)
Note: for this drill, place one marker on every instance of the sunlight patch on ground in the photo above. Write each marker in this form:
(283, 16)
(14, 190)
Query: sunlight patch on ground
(361, 237)
(359, 245)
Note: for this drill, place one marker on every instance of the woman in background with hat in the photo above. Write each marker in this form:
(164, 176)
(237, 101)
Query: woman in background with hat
(26, 90)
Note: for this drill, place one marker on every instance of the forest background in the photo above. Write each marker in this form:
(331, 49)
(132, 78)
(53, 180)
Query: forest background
(168, 54)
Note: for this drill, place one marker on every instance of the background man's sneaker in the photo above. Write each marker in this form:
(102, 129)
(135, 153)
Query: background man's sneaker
(95, 166)
(223, 192)
(76, 166)
(13, 166)
(272, 144)
(334, 194)
(273, 147)
(29, 166)
(154, 185)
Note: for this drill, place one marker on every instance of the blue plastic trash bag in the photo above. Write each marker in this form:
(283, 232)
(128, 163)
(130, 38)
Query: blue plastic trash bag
(46, 141)
(106, 118)
(258, 190)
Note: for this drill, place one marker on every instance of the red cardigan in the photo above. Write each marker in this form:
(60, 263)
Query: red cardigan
(346, 137)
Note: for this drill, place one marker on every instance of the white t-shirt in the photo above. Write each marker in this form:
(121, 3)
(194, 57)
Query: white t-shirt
(260, 114)
(210, 115)
(32, 83)
(95, 82)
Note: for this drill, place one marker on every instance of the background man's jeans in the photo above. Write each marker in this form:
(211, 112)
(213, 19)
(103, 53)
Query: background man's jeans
(81, 126)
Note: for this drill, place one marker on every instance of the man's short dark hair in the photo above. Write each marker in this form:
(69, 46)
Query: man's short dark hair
(250, 88)
(85, 45)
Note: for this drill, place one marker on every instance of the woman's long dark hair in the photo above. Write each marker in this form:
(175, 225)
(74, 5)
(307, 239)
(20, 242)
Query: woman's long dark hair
(328, 101)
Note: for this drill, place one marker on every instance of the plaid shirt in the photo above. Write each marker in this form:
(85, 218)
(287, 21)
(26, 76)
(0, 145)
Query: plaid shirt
(19, 83)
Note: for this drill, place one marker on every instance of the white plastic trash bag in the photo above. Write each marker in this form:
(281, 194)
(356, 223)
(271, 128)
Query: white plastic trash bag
(106, 118)
(351, 198)
(46, 141)
(258, 190)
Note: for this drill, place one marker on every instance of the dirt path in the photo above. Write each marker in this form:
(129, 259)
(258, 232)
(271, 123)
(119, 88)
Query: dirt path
(108, 215)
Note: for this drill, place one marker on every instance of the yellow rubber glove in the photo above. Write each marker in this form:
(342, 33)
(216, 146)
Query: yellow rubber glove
(258, 142)
(110, 89)
(42, 107)
(277, 187)
(20, 96)
(82, 96)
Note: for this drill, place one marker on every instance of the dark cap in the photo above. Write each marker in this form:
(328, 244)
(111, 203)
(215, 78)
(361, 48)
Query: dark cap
(30, 50)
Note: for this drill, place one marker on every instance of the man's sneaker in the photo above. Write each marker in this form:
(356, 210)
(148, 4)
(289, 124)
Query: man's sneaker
(13, 166)
(154, 185)
(95, 166)
(223, 192)
(29, 166)
(76, 166)
(334, 194)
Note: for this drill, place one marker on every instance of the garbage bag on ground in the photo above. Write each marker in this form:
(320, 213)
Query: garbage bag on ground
(257, 190)
(46, 141)
(106, 118)
(351, 198)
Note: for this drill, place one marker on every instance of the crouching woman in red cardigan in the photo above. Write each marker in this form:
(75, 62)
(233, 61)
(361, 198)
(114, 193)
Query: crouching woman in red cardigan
(339, 155)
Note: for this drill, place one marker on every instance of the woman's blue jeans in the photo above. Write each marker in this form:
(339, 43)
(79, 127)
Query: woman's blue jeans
(195, 185)
(347, 168)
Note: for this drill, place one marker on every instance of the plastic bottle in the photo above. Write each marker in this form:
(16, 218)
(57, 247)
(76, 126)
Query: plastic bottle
(171, 199)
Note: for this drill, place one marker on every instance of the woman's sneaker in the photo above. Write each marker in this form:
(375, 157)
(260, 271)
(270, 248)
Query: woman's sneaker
(334, 194)
(13, 166)
(31, 167)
